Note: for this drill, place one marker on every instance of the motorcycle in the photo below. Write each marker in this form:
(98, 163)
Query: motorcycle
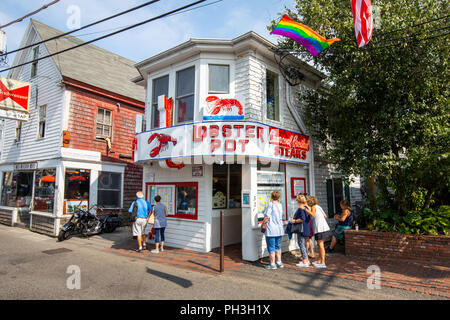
(86, 223)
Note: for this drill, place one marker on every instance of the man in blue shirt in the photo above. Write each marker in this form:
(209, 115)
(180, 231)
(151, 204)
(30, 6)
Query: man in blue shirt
(143, 209)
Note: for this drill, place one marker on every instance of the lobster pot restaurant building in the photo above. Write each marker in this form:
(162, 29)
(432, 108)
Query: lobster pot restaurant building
(223, 132)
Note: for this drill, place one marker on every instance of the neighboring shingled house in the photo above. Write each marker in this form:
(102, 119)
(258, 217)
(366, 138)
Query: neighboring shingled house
(84, 97)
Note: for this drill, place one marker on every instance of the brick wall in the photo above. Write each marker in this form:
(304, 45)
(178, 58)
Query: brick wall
(82, 127)
(400, 246)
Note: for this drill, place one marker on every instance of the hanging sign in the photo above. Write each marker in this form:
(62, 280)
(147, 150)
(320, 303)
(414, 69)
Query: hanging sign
(14, 99)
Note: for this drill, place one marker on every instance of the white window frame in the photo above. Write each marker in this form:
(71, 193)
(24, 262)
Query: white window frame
(229, 78)
(195, 94)
(280, 106)
(120, 188)
(103, 124)
(34, 65)
(40, 121)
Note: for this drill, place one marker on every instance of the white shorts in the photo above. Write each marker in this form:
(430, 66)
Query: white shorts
(139, 226)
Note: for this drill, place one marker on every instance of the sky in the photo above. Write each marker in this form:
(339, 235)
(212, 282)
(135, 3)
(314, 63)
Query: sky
(225, 19)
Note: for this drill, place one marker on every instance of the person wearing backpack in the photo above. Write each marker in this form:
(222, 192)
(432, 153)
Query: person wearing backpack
(140, 210)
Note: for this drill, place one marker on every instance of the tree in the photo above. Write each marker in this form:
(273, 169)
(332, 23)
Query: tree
(383, 111)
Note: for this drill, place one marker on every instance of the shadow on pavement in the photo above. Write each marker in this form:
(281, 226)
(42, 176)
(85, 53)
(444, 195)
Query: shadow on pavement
(177, 280)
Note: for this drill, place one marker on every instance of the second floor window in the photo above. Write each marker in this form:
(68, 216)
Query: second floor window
(18, 131)
(103, 123)
(34, 65)
(273, 101)
(219, 78)
(42, 116)
(160, 88)
(185, 95)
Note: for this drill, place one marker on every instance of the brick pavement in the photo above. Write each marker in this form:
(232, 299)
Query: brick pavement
(416, 276)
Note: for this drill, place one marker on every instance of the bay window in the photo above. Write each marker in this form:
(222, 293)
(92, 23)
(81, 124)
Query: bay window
(160, 88)
(219, 78)
(185, 95)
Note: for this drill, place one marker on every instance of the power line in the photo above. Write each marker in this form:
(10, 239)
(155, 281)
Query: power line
(84, 27)
(108, 35)
(117, 28)
(418, 40)
(30, 14)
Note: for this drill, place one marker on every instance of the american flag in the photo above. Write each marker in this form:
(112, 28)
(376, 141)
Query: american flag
(362, 17)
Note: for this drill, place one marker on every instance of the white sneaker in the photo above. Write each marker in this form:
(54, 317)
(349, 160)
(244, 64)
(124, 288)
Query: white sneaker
(320, 266)
(303, 265)
(155, 251)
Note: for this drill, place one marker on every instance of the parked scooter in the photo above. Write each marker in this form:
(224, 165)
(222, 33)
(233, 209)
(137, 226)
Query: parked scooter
(86, 223)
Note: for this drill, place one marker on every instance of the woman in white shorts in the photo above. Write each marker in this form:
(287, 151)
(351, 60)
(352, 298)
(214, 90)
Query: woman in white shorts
(320, 228)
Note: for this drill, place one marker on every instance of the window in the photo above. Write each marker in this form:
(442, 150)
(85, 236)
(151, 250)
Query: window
(227, 185)
(160, 88)
(180, 198)
(18, 131)
(185, 94)
(186, 200)
(42, 116)
(76, 191)
(109, 189)
(103, 123)
(272, 90)
(44, 190)
(17, 189)
(336, 190)
(219, 78)
(34, 65)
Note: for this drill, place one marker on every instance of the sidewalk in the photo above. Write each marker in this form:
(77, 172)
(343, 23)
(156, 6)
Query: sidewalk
(407, 275)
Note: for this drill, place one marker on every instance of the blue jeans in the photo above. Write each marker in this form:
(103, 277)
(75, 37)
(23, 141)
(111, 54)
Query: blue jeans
(302, 244)
(159, 231)
(273, 244)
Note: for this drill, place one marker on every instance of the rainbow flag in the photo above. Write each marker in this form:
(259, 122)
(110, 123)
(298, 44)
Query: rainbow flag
(302, 34)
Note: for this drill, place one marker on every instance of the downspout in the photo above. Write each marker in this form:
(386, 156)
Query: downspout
(301, 124)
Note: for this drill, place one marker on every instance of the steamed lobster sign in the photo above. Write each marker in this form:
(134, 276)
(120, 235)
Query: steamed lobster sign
(222, 138)
(14, 99)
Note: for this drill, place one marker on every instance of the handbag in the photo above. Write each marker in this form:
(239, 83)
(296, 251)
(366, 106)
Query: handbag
(151, 219)
(264, 225)
(297, 227)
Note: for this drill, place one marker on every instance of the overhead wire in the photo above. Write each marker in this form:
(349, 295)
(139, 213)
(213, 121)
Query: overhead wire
(82, 28)
(30, 14)
(108, 35)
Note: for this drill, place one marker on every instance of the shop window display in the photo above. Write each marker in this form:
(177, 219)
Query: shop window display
(17, 189)
(76, 192)
(44, 190)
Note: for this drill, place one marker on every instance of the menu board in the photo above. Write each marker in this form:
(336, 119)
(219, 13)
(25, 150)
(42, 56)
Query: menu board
(263, 198)
(167, 194)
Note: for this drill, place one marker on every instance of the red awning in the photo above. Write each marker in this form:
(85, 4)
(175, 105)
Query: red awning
(48, 179)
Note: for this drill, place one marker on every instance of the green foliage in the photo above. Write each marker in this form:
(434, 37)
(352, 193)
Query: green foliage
(425, 222)
(384, 109)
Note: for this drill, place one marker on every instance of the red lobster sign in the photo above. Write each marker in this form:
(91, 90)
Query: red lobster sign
(224, 104)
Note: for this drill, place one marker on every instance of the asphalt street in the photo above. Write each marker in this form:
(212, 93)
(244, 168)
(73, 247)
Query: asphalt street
(29, 269)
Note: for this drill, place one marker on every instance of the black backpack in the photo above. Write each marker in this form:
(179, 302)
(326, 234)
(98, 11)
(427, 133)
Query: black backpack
(133, 216)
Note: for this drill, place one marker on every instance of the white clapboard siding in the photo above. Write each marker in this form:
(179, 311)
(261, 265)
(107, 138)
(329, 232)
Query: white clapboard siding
(251, 86)
(185, 233)
(30, 148)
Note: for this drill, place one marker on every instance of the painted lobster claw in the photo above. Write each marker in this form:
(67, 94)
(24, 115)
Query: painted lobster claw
(173, 165)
